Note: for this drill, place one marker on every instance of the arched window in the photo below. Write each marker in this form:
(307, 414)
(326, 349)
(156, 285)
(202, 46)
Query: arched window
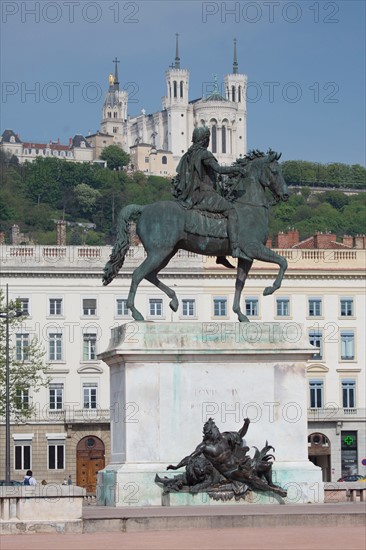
(170, 91)
(109, 114)
(164, 160)
(12, 139)
(232, 93)
(214, 138)
(223, 137)
(239, 94)
(175, 91)
(203, 123)
(181, 88)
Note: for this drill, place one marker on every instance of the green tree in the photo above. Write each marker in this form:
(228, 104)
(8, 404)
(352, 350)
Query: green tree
(86, 197)
(115, 157)
(27, 367)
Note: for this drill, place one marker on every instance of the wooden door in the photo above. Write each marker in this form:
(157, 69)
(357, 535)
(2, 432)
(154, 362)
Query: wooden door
(89, 460)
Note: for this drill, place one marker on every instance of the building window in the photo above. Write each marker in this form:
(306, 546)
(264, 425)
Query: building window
(22, 455)
(90, 396)
(164, 160)
(115, 115)
(223, 136)
(348, 394)
(316, 394)
(56, 392)
(146, 159)
(109, 114)
(239, 94)
(24, 305)
(347, 344)
(89, 306)
(251, 307)
(22, 399)
(175, 88)
(156, 307)
(346, 307)
(122, 309)
(115, 129)
(55, 306)
(89, 347)
(22, 347)
(214, 138)
(283, 307)
(233, 93)
(55, 346)
(188, 308)
(315, 307)
(56, 455)
(316, 339)
(181, 88)
(220, 307)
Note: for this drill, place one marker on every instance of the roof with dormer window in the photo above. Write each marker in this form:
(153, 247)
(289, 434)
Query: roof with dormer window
(7, 134)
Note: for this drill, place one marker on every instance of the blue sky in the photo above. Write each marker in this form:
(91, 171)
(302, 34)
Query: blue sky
(305, 62)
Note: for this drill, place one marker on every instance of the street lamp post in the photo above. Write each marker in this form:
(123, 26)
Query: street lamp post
(7, 316)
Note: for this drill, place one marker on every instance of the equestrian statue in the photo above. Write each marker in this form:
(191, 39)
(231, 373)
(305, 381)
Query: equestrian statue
(205, 217)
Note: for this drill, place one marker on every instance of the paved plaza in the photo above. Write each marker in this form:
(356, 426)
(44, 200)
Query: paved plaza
(290, 527)
(291, 538)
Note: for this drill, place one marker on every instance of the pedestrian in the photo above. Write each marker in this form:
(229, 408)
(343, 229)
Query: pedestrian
(29, 479)
(69, 481)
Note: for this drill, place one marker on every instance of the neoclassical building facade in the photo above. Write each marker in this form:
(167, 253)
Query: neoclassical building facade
(71, 314)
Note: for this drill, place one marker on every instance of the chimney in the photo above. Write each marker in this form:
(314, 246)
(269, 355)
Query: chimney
(359, 241)
(287, 240)
(2, 237)
(134, 238)
(324, 240)
(58, 141)
(269, 243)
(61, 233)
(348, 240)
(293, 237)
(70, 142)
(15, 234)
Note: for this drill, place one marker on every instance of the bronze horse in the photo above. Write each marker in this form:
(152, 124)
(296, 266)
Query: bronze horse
(162, 230)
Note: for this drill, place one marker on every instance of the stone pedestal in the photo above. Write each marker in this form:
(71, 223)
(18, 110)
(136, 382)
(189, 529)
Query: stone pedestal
(167, 379)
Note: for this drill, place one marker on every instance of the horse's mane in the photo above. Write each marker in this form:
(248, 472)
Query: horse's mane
(256, 154)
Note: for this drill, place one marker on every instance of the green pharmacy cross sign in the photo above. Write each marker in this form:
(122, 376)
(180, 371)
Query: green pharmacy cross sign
(348, 440)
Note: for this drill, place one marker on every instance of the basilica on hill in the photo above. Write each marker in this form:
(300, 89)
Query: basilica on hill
(156, 141)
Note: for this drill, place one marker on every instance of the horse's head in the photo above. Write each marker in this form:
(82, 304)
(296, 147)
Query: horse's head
(264, 169)
(271, 176)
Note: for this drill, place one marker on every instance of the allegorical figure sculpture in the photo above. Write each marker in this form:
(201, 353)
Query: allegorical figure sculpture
(222, 459)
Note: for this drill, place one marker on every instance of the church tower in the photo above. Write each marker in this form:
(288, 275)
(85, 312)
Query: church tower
(176, 104)
(236, 90)
(115, 109)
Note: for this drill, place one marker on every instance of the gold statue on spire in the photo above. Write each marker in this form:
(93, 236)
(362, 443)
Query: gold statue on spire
(111, 79)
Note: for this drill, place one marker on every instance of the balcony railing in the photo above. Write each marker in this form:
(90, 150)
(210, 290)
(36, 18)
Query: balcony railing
(68, 415)
(335, 413)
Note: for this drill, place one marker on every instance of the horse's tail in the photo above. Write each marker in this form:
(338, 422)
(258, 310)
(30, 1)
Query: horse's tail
(122, 243)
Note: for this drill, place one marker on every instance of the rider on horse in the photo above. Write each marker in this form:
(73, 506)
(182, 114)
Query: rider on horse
(195, 186)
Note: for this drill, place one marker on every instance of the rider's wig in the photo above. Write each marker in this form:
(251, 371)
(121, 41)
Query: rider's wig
(201, 134)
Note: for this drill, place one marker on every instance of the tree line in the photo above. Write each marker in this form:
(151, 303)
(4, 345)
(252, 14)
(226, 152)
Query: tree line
(89, 197)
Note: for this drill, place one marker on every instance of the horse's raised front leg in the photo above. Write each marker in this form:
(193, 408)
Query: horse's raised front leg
(152, 264)
(242, 273)
(258, 251)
